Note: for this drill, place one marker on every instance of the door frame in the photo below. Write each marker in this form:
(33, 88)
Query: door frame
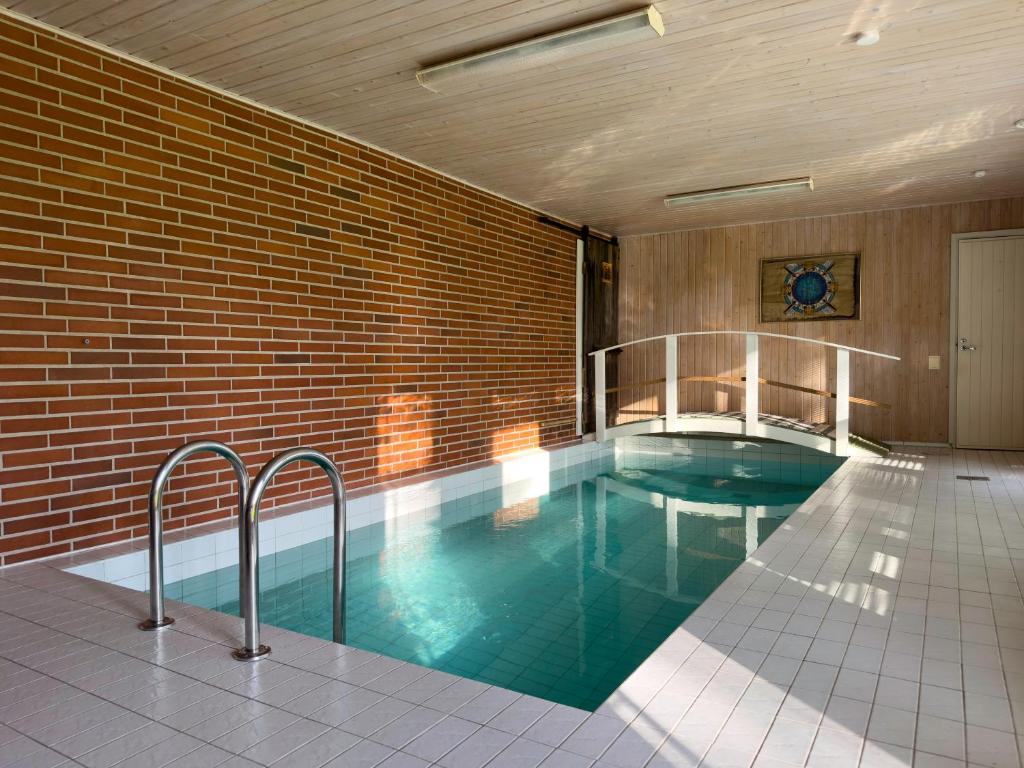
(579, 356)
(954, 296)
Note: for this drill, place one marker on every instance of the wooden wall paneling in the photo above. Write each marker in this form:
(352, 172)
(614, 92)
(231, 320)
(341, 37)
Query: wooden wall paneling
(707, 279)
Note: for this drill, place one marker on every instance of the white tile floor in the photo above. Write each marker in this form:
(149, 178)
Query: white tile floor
(882, 625)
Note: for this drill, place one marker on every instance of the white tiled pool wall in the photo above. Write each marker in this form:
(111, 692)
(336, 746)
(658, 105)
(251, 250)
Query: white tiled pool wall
(198, 550)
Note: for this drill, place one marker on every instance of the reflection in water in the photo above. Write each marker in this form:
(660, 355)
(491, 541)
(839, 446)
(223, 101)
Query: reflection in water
(560, 596)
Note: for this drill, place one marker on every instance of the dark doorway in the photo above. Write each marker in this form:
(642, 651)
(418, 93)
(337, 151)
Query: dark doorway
(600, 318)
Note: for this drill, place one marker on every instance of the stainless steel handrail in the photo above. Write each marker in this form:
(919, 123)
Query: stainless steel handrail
(157, 617)
(249, 554)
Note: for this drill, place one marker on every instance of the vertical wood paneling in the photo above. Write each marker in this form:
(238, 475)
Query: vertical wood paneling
(708, 279)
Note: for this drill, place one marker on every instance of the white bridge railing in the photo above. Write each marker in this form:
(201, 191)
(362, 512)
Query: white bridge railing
(752, 425)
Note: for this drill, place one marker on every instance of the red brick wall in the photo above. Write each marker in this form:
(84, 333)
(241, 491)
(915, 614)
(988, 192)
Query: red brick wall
(176, 264)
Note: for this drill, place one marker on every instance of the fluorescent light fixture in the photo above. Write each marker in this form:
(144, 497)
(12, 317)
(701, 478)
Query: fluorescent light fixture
(630, 27)
(744, 190)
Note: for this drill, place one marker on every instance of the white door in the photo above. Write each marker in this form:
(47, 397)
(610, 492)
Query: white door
(989, 344)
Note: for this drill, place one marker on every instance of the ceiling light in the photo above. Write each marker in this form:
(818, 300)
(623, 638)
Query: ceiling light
(980, 173)
(744, 190)
(625, 28)
(1019, 123)
(867, 37)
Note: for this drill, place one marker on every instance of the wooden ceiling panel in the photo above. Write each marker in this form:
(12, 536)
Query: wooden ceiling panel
(737, 91)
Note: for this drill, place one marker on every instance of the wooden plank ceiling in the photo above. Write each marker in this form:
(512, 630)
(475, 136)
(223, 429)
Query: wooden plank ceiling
(737, 91)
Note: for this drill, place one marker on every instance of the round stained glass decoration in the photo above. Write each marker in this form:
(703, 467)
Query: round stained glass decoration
(809, 289)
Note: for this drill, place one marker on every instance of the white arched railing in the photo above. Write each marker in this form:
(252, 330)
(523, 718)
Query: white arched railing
(752, 423)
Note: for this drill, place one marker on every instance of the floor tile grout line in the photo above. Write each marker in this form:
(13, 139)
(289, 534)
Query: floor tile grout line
(152, 720)
(199, 681)
(177, 731)
(971, 519)
(680, 718)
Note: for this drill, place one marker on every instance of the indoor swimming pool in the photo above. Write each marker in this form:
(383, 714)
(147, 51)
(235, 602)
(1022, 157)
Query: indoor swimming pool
(560, 595)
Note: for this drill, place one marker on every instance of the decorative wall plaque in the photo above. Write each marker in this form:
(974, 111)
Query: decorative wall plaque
(810, 288)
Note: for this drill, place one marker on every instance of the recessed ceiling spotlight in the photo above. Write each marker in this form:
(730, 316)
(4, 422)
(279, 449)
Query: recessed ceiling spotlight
(1019, 123)
(980, 173)
(867, 37)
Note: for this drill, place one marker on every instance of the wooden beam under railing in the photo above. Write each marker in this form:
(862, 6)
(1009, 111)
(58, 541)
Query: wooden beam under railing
(738, 380)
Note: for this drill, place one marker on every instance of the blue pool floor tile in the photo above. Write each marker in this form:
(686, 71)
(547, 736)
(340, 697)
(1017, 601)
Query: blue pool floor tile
(560, 596)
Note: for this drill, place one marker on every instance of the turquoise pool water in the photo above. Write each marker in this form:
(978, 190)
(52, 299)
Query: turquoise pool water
(560, 596)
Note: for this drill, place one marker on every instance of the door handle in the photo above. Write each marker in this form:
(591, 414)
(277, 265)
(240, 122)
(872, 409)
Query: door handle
(965, 347)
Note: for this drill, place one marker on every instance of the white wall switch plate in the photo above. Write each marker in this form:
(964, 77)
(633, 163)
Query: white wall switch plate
(934, 362)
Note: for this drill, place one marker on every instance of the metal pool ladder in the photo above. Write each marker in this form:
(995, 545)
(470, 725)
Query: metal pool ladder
(157, 618)
(252, 649)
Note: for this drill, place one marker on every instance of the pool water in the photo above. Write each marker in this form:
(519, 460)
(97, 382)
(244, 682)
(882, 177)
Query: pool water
(560, 596)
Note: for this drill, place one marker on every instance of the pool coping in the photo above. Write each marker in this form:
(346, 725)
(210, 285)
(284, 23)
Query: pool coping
(643, 722)
(210, 546)
(211, 625)
(202, 548)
